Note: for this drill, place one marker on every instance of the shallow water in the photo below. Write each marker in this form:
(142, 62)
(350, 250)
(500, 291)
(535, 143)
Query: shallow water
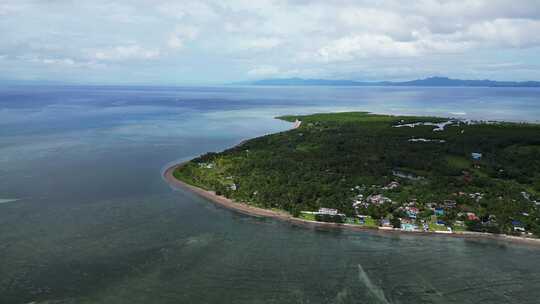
(97, 224)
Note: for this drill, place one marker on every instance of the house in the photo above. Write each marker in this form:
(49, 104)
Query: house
(528, 197)
(518, 226)
(409, 227)
(412, 212)
(378, 199)
(390, 186)
(406, 220)
(411, 215)
(477, 196)
(206, 165)
(431, 206)
(233, 187)
(328, 211)
(412, 203)
(449, 204)
(386, 223)
(406, 175)
(329, 215)
(358, 203)
(362, 219)
(476, 156)
(472, 217)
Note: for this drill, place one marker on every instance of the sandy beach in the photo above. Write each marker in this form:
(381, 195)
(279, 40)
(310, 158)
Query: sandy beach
(284, 216)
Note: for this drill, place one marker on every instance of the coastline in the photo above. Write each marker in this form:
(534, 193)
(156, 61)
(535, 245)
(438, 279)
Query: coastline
(286, 217)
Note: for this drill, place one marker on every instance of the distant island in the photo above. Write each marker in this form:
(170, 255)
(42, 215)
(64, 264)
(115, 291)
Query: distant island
(396, 173)
(427, 82)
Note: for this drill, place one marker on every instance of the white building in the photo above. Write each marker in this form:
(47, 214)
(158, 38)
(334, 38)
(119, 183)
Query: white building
(328, 211)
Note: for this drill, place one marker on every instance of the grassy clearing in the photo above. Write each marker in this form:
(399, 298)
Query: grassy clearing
(459, 228)
(458, 162)
(434, 227)
(370, 222)
(307, 216)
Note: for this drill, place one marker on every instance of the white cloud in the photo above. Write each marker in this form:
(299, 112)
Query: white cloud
(469, 10)
(64, 61)
(70, 63)
(240, 26)
(271, 71)
(262, 43)
(181, 34)
(512, 33)
(198, 10)
(175, 42)
(364, 45)
(340, 37)
(59, 62)
(377, 21)
(11, 8)
(125, 52)
(498, 33)
(264, 71)
(371, 45)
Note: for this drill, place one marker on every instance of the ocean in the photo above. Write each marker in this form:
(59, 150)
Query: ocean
(85, 216)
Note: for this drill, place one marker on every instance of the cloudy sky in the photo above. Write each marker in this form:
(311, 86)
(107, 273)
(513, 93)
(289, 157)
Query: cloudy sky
(206, 41)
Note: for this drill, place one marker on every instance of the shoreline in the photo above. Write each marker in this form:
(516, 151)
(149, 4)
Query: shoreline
(286, 217)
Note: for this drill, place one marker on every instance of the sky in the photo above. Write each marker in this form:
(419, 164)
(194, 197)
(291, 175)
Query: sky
(222, 41)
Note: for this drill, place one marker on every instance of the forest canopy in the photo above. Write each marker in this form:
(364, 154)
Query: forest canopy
(489, 169)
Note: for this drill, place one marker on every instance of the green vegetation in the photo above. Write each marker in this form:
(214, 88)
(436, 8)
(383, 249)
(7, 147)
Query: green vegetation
(434, 227)
(370, 222)
(340, 159)
(307, 216)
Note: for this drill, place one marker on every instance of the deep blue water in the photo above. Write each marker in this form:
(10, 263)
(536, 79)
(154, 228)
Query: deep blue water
(95, 223)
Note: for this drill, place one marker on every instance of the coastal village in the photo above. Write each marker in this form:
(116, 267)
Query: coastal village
(444, 216)
(399, 198)
(413, 216)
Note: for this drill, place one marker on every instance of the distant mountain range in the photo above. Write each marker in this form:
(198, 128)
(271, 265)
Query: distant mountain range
(427, 82)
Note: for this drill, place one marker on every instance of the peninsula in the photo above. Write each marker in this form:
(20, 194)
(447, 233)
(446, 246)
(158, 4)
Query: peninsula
(398, 173)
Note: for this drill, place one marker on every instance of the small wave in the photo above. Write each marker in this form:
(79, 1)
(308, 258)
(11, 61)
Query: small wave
(372, 288)
(8, 200)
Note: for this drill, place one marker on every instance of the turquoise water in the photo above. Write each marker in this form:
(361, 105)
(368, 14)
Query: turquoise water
(85, 216)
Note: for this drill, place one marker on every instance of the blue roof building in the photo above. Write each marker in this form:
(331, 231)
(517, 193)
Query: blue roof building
(439, 211)
(409, 227)
(476, 156)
